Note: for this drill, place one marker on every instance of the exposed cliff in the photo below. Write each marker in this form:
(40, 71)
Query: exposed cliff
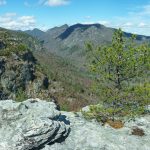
(20, 74)
(20, 77)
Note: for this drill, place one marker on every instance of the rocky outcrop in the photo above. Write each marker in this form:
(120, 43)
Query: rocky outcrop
(18, 73)
(21, 76)
(2, 45)
(30, 125)
(38, 125)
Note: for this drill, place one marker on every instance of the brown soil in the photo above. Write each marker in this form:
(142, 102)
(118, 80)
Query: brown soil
(137, 131)
(116, 124)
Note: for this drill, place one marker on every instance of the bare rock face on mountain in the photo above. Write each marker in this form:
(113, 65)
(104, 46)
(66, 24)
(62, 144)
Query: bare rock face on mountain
(2, 45)
(18, 74)
(56, 31)
(30, 125)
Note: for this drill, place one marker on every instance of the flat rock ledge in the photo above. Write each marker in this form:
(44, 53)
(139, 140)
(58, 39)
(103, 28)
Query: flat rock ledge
(38, 125)
(90, 135)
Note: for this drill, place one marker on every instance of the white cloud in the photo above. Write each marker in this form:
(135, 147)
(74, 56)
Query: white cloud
(54, 3)
(142, 24)
(132, 25)
(127, 25)
(15, 22)
(44, 27)
(3, 2)
(27, 20)
(10, 14)
(137, 21)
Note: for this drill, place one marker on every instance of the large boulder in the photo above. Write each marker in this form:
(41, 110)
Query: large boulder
(30, 124)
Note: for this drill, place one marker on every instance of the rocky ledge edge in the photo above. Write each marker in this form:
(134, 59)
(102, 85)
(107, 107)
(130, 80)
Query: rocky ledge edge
(38, 125)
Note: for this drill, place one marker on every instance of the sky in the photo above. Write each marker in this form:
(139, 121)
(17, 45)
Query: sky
(130, 15)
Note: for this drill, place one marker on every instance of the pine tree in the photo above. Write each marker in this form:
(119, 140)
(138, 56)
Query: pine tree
(121, 70)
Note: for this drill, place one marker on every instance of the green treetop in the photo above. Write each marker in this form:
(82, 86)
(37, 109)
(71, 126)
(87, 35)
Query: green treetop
(120, 68)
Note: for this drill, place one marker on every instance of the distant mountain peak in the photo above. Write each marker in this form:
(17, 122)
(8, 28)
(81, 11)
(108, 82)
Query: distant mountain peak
(65, 26)
(80, 25)
(83, 27)
(36, 29)
(35, 32)
(56, 31)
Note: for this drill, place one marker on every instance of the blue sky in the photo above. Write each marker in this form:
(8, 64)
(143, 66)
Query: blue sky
(130, 15)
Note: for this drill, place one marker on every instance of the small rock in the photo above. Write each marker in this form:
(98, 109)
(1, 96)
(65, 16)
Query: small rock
(86, 109)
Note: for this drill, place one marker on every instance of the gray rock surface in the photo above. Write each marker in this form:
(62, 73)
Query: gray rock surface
(30, 124)
(2, 45)
(19, 73)
(38, 125)
(86, 109)
(86, 135)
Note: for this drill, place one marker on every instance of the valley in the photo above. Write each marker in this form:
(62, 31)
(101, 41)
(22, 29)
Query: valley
(60, 54)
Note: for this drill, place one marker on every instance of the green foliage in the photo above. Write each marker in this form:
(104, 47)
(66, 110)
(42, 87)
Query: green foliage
(62, 73)
(13, 49)
(12, 43)
(64, 107)
(22, 47)
(20, 95)
(121, 74)
(17, 40)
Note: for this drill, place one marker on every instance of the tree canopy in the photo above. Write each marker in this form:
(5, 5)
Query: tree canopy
(121, 70)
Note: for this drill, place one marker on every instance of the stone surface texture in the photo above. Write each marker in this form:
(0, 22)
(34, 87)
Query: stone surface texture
(38, 125)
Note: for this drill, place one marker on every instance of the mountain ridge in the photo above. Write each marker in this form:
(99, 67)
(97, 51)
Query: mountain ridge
(79, 25)
(69, 41)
